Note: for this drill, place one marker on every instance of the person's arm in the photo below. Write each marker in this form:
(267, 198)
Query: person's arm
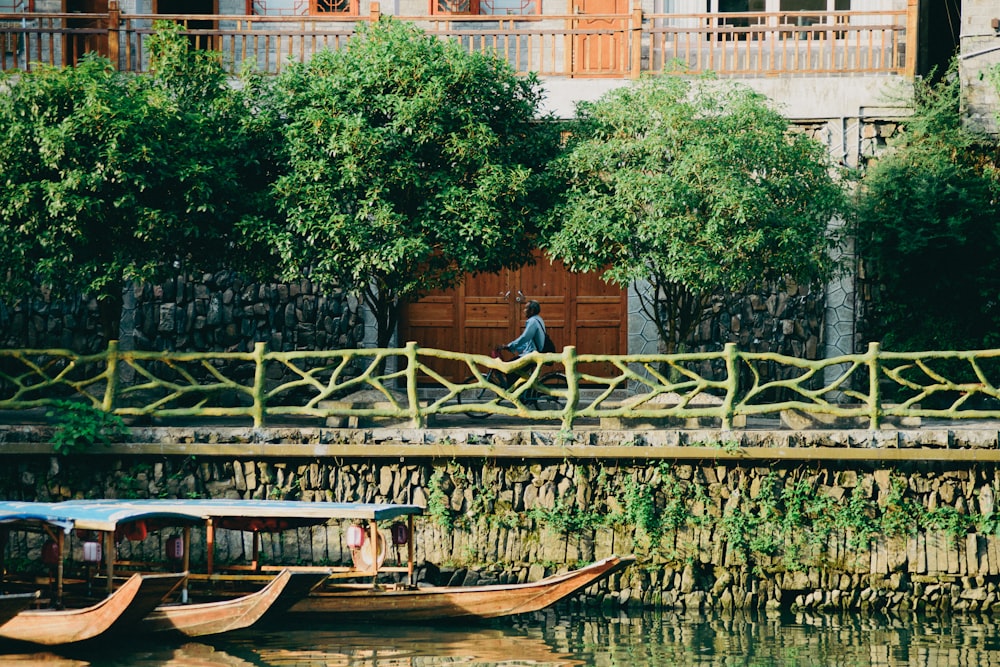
(525, 343)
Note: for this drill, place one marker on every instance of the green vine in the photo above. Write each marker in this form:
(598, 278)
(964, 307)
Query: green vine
(438, 504)
(566, 518)
(79, 426)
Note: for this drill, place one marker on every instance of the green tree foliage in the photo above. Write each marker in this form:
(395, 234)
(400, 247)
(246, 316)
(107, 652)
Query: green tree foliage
(695, 187)
(411, 162)
(927, 230)
(109, 176)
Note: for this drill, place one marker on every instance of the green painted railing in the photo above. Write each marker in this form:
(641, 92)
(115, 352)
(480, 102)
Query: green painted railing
(402, 383)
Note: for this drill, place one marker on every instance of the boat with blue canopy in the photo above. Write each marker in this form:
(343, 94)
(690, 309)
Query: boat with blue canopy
(102, 525)
(399, 598)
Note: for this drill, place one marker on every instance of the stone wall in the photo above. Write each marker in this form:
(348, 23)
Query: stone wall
(913, 536)
(979, 54)
(210, 312)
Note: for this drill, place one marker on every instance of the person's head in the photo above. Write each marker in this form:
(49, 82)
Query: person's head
(532, 308)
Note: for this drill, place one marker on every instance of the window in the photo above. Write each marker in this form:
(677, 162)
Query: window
(731, 9)
(811, 6)
(486, 7)
(327, 7)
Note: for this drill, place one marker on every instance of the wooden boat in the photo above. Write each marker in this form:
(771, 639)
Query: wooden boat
(122, 609)
(394, 601)
(405, 603)
(11, 605)
(210, 618)
(193, 619)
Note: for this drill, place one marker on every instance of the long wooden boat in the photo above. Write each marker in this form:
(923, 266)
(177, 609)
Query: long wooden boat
(374, 600)
(386, 603)
(123, 518)
(209, 618)
(11, 605)
(394, 601)
(124, 608)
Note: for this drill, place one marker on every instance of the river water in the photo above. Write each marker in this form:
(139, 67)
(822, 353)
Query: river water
(571, 637)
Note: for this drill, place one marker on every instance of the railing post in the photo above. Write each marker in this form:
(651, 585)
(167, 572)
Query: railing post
(416, 416)
(259, 385)
(910, 67)
(732, 385)
(114, 19)
(635, 67)
(874, 393)
(572, 387)
(111, 386)
(374, 12)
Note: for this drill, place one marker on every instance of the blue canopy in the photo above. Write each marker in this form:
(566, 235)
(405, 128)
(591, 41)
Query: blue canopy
(280, 509)
(18, 512)
(108, 515)
(236, 514)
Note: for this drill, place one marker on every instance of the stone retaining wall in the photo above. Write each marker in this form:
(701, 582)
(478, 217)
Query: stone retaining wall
(220, 311)
(726, 534)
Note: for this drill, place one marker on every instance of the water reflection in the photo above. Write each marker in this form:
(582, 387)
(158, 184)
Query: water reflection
(572, 637)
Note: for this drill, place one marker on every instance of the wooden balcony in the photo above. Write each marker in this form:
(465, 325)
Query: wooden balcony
(592, 45)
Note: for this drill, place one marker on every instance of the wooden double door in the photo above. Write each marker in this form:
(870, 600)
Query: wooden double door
(487, 310)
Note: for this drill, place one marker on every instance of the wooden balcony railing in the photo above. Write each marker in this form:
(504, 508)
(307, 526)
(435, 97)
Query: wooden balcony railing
(592, 45)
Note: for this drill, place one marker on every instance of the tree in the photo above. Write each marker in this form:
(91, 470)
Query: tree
(410, 163)
(109, 176)
(927, 229)
(695, 187)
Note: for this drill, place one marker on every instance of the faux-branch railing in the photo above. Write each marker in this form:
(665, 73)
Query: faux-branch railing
(265, 384)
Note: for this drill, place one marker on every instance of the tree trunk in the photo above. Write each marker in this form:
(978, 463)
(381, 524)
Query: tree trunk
(109, 305)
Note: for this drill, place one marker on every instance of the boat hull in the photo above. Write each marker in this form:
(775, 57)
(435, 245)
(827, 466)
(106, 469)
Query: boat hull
(12, 605)
(439, 602)
(210, 618)
(124, 608)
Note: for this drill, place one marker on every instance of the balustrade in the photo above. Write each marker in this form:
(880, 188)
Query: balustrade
(621, 45)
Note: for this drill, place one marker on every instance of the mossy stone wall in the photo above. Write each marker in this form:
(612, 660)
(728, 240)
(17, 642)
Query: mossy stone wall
(913, 536)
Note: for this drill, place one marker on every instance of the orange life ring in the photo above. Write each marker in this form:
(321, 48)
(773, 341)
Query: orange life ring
(365, 557)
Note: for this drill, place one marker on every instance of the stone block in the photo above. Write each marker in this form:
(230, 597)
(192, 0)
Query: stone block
(800, 420)
(363, 400)
(667, 401)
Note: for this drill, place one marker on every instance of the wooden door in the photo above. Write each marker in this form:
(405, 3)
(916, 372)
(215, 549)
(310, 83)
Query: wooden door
(604, 52)
(190, 9)
(487, 310)
(77, 44)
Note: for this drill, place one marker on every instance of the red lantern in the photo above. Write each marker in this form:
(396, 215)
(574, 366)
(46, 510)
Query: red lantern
(400, 534)
(136, 531)
(92, 552)
(50, 553)
(175, 548)
(355, 537)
